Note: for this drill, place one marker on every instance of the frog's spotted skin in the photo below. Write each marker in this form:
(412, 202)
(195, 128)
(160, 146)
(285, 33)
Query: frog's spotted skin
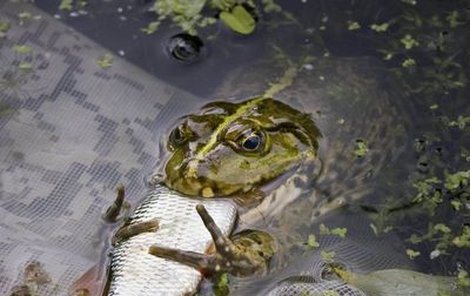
(231, 148)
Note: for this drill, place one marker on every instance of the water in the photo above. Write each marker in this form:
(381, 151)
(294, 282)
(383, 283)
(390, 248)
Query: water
(423, 51)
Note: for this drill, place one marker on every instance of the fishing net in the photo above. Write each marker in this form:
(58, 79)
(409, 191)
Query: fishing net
(70, 131)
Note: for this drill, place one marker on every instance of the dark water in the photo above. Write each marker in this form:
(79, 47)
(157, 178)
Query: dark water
(431, 66)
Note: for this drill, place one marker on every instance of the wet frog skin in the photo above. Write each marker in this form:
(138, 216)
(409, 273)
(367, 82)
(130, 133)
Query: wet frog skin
(232, 150)
(235, 148)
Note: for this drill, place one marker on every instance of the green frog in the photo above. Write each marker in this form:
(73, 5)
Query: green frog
(235, 150)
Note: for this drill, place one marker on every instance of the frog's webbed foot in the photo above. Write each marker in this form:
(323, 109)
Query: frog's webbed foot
(248, 252)
(119, 209)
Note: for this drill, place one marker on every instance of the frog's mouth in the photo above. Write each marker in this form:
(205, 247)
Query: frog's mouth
(195, 186)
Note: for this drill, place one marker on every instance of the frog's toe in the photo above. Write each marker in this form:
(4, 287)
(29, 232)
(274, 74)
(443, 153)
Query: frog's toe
(131, 230)
(202, 262)
(119, 209)
(248, 253)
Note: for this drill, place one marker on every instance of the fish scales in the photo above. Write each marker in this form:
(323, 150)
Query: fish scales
(135, 272)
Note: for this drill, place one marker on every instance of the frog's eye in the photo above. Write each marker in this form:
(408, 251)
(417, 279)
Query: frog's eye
(252, 142)
(178, 136)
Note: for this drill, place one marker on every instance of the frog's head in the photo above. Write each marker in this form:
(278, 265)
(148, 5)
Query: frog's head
(231, 148)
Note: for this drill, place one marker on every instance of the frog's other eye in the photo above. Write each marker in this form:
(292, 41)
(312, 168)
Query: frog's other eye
(179, 136)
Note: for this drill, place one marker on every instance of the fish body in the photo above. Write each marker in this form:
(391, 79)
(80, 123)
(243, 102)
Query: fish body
(133, 271)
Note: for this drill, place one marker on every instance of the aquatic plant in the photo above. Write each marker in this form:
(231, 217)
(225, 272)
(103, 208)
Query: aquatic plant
(190, 15)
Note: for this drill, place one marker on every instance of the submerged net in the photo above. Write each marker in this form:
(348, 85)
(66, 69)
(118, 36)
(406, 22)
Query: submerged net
(70, 130)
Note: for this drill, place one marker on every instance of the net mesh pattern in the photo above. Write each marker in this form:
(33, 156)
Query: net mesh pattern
(70, 131)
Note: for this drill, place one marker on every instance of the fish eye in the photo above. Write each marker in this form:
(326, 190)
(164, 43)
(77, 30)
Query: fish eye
(252, 142)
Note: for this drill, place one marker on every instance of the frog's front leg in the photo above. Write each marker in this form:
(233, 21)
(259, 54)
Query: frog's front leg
(248, 252)
(119, 210)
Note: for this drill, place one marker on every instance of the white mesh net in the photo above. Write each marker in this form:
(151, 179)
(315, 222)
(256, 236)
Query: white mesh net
(65, 126)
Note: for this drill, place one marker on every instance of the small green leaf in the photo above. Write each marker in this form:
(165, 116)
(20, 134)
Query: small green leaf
(408, 63)
(442, 228)
(24, 16)
(453, 19)
(4, 27)
(324, 230)
(312, 242)
(460, 122)
(66, 5)
(22, 49)
(105, 61)
(151, 28)
(380, 28)
(409, 42)
(464, 239)
(25, 66)
(221, 285)
(434, 106)
(239, 20)
(462, 278)
(339, 231)
(352, 26)
(328, 257)
(456, 180)
(412, 254)
(361, 148)
(456, 204)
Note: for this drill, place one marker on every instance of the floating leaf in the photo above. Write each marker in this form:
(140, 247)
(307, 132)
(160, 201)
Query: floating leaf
(4, 27)
(453, 19)
(464, 239)
(105, 61)
(66, 5)
(312, 242)
(442, 228)
(408, 63)
(409, 42)
(24, 16)
(412, 254)
(22, 49)
(339, 231)
(352, 26)
(151, 28)
(239, 20)
(328, 257)
(456, 180)
(25, 66)
(379, 28)
(361, 148)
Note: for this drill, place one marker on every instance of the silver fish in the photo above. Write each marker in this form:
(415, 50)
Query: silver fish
(134, 271)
